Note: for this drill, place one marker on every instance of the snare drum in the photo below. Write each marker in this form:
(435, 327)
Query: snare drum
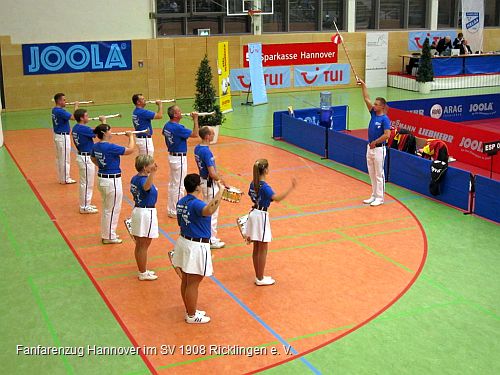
(128, 225)
(242, 226)
(232, 194)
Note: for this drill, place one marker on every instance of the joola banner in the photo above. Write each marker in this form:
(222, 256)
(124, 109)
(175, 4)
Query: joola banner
(55, 58)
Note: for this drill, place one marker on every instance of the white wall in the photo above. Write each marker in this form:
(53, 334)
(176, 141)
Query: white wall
(45, 21)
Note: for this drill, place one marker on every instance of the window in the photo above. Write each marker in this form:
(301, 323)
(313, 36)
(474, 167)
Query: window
(333, 11)
(390, 15)
(491, 13)
(303, 15)
(416, 14)
(365, 15)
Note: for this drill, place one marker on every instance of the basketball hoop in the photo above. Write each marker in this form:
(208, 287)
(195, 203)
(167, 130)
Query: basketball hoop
(254, 12)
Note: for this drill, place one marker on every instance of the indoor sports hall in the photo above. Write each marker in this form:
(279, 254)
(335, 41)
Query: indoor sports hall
(408, 287)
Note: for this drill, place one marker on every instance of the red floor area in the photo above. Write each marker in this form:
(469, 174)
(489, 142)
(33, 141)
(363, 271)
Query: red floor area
(338, 263)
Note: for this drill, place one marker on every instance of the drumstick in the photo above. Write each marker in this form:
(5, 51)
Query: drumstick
(163, 101)
(201, 114)
(346, 53)
(133, 132)
(105, 116)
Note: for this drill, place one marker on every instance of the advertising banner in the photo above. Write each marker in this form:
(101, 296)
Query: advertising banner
(295, 54)
(456, 109)
(259, 94)
(275, 77)
(55, 58)
(473, 23)
(416, 39)
(377, 49)
(464, 143)
(321, 75)
(223, 73)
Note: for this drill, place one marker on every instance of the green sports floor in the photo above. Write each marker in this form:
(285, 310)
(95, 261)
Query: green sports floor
(448, 322)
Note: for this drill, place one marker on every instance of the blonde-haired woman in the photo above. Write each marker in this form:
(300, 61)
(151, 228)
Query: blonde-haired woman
(258, 229)
(144, 215)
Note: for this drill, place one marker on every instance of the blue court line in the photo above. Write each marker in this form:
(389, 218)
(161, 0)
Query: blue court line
(264, 324)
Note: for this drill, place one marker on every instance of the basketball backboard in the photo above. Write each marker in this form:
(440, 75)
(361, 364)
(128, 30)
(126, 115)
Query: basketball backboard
(241, 7)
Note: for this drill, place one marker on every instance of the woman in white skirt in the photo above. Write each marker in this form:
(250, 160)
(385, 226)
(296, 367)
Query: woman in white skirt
(258, 229)
(144, 216)
(192, 250)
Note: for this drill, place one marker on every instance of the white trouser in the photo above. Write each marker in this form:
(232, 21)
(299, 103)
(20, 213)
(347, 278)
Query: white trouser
(112, 194)
(145, 145)
(208, 194)
(375, 161)
(63, 150)
(87, 174)
(178, 170)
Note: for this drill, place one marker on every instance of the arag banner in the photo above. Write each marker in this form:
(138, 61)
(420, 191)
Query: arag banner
(55, 58)
(223, 72)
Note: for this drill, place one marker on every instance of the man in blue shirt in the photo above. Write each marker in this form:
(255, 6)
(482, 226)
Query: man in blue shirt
(379, 131)
(208, 173)
(60, 124)
(83, 138)
(141, 119)
(176, 136)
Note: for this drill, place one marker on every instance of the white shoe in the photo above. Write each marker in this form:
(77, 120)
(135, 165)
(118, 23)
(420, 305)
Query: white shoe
(266, 280)
(88, 210)
(92, 206)
(369, 200)
(217, 244)
(377, 202)
(147, 275)
(197, 319)
(199, 312)
(70, 181)
(114, 241)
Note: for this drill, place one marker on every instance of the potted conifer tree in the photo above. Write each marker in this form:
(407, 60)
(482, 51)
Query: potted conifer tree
(425, 73)
(205, 98)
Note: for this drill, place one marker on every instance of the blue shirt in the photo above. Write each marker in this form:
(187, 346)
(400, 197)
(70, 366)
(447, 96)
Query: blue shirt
(60, 120)
(377, 126)
(141, 118)
(108, 157)
(175, 136)
(83, 138)
(264, 198)
(190, 218)
(142, 197)
(204, 159)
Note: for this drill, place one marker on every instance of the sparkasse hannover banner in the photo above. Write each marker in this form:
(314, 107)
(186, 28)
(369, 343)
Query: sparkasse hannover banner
(295, 54)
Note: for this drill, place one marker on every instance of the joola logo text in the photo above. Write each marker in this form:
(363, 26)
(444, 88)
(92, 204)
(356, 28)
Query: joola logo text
(76, 57)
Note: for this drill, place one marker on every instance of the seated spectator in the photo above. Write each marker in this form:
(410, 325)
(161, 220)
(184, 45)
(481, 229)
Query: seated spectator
(465, 48)
(458, 41)
(444, 46)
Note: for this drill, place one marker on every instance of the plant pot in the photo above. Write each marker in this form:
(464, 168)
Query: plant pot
(216, 133)
(424, 87)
